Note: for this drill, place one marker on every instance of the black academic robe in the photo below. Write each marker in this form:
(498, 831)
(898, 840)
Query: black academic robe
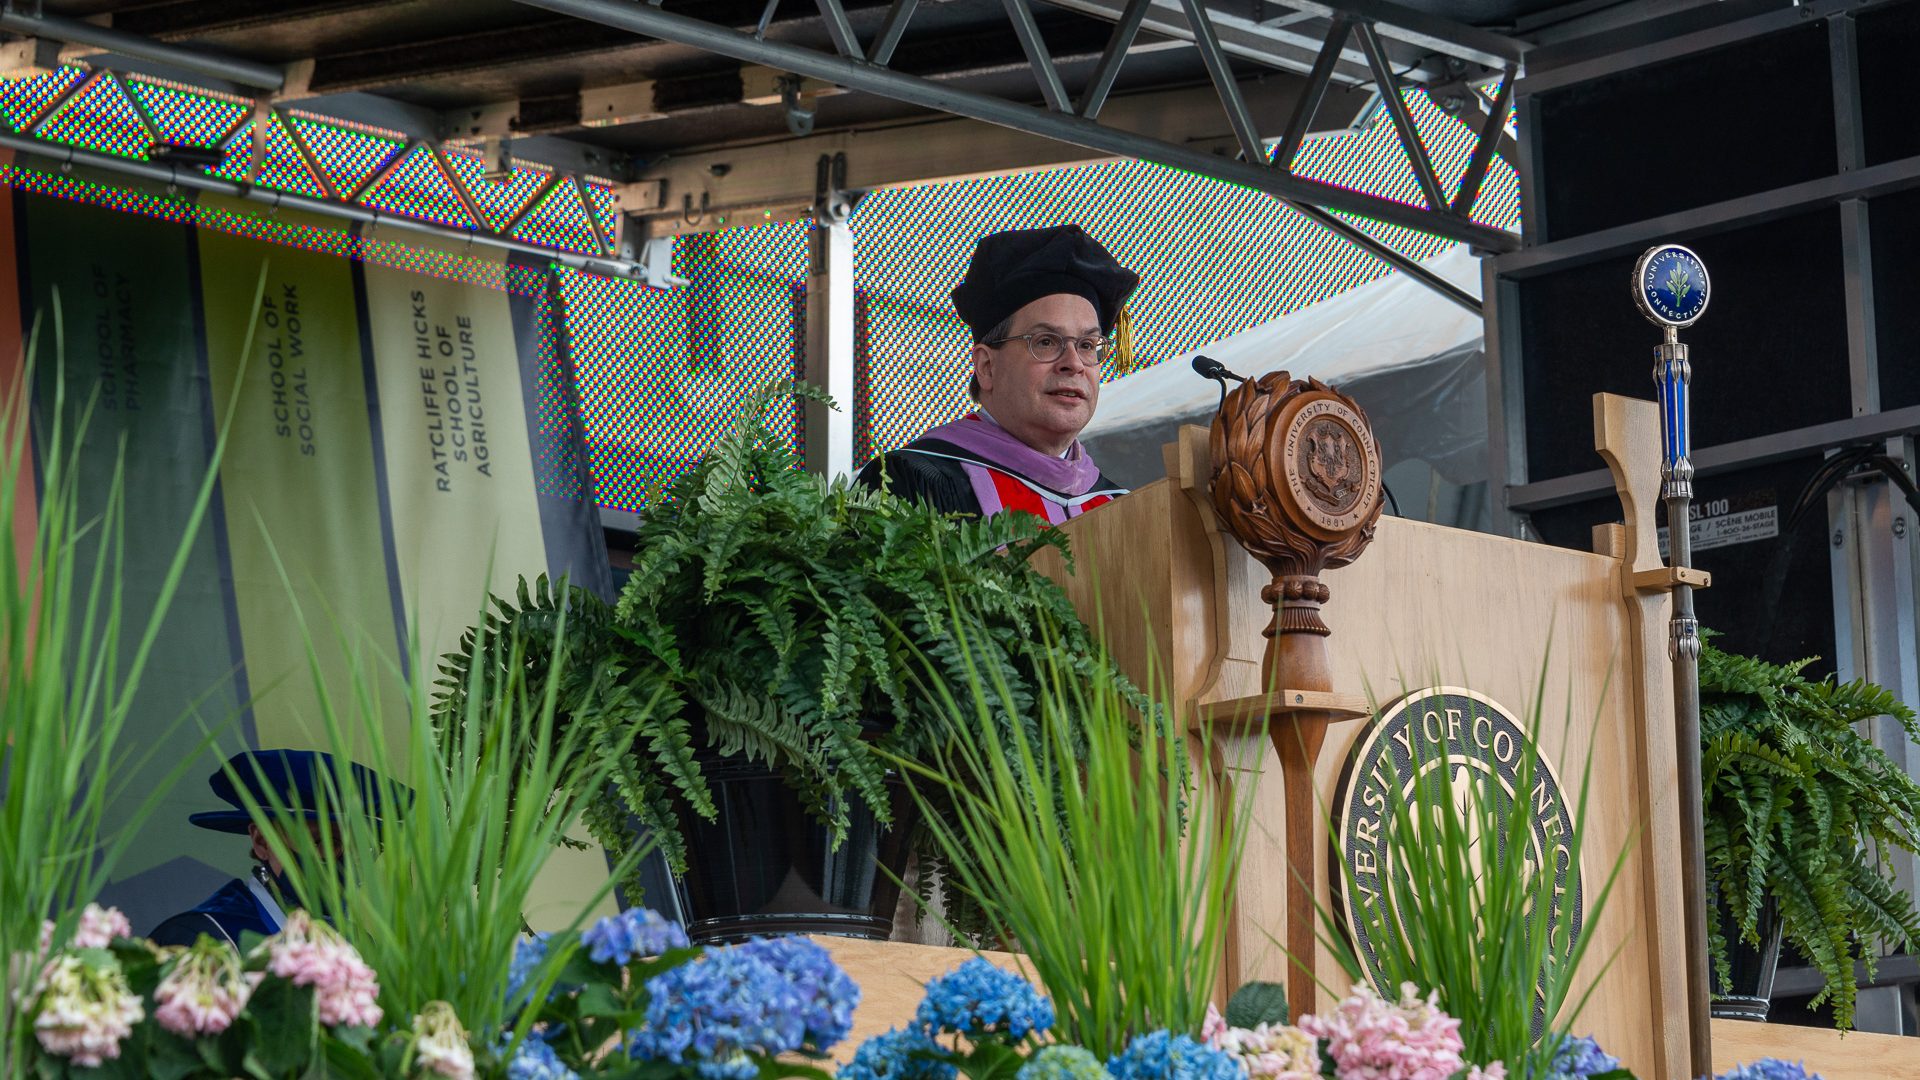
(926, 469)
(224, 916)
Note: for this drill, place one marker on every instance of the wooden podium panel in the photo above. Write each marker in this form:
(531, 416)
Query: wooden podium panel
(1179, 603)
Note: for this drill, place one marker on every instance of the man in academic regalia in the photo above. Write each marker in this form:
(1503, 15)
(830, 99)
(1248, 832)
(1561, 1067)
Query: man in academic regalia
(278, 781)
(1046, 309)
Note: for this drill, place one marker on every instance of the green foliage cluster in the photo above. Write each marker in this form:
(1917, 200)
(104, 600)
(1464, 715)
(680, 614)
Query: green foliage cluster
(1118, 885)
(1488, 925)
(1802, 809)
(776, 615)
(430, 879)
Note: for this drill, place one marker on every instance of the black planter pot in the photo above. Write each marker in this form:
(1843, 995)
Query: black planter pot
(1750, 992)
(765, 866)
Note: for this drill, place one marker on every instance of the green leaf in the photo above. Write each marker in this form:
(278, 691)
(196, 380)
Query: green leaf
(598, 1000)
(282, 1021)
(1257, 1003)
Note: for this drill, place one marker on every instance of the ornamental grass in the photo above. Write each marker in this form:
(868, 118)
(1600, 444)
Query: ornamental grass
(1484, 925)
(1083, 835)
(73, 660)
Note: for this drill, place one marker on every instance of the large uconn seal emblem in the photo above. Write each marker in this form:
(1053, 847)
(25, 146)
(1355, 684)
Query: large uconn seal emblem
(1445, 735)
(1331, 463)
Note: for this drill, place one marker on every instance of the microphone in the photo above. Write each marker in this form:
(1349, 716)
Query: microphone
(1209, 368)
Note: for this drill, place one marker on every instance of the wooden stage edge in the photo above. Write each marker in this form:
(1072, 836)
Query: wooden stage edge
(1859, 1055)
(893, 975)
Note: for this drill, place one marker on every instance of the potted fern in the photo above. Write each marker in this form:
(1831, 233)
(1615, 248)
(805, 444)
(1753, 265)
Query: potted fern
(771, 651)
(1801, 811)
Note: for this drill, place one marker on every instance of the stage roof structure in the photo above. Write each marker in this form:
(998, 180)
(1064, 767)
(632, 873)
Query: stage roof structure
(586, 128)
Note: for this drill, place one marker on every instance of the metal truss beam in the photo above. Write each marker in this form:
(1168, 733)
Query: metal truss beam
(1108, 69)
(1346, 231)
(1317, 82)
(1885, 178)
(176, 20)
(1270, 44)
(754, 180)
(1418, 28)
(1409, 135)
(90, 35)
(1052, 90)
(892, 30)
(653, 22)
(1492, 130)
(195, 180)
(1760, 450)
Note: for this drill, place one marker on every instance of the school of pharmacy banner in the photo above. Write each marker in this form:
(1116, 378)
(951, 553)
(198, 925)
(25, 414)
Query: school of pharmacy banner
(393, 445)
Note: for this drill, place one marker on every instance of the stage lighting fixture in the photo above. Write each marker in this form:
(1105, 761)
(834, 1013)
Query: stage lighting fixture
(193, 157)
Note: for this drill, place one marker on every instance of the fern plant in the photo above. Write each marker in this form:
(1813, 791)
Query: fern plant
(782, 617)
(1803, 809)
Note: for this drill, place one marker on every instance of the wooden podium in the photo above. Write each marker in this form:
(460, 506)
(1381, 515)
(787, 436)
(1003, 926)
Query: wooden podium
(1424, 607)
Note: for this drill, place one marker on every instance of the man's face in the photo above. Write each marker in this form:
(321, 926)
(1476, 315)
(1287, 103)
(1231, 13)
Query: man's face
(1042, 405)
(263, 851)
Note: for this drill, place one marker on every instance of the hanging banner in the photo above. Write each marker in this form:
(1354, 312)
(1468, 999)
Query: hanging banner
(400, 444)
(458, 462)
(127, 309)
(299, 482)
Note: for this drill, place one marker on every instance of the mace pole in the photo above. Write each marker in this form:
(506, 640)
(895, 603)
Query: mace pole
(1673, 373)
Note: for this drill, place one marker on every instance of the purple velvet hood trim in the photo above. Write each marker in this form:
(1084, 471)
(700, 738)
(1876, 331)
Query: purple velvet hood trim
(976, 433)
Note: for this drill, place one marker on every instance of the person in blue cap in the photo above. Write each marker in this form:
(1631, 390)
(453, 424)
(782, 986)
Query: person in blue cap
(257, 903)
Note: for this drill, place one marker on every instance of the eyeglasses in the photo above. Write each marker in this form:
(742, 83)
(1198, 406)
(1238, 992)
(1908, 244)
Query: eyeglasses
(1048, 348)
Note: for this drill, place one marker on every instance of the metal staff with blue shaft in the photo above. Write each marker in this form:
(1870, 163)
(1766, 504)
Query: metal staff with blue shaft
(1670, 287)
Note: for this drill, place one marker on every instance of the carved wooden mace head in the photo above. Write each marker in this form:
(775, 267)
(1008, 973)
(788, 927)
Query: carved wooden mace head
(1296, 479)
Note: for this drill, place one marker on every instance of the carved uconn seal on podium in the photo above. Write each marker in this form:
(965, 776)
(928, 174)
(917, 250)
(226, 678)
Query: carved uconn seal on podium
(1473, 750)
(1332, 467)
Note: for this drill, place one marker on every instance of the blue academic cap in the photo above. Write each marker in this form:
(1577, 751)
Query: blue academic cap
(281, 781)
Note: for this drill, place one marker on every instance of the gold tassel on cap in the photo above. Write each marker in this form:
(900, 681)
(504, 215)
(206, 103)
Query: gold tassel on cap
(1122, 342)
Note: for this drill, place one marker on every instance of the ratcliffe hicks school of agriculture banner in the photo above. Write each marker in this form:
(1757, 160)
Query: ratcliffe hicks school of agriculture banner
(399, 442)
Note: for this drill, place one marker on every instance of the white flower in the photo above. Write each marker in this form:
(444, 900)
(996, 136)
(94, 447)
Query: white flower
(85, 1011)
(440, 1043)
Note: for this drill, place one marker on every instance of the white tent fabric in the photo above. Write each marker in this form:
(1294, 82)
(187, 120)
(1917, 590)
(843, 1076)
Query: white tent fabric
(1413, 360)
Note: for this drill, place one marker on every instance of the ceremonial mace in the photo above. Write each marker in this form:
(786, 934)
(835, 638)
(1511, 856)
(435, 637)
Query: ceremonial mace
(1670, 287)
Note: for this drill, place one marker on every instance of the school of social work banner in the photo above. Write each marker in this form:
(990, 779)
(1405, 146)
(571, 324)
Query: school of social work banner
(385, 441)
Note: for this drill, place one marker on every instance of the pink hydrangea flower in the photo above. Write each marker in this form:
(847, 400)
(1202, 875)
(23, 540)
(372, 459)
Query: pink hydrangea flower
(1213, 1026)
(97, 929)
(1371, 1038)
(99, 926)
(440, 1043)
(86, 1010)
(308, 952)
(204, 991)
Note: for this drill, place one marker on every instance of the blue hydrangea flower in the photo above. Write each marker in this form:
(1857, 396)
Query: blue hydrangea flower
(617, 939)
(759, 998)
(1063, 1063)
(977, 998)
(1770, 1069)
(712, 1008)
(1162, 1055)
(1577, 1059)
(535, 1060)
(820, 1013)
(890, 1057)
(527, 956)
